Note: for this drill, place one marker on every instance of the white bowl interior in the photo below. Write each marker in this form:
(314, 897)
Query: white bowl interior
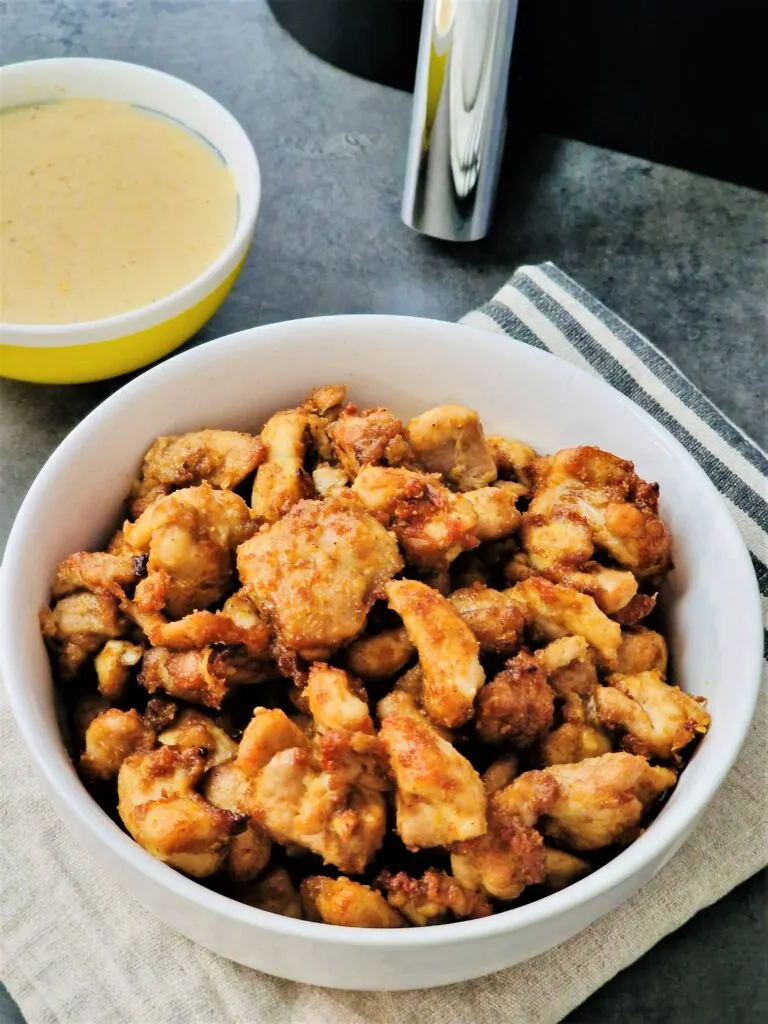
(88, 78)
(409, 365)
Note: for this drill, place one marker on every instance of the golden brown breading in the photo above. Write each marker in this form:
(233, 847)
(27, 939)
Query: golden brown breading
(97, 571)
(238, 623)
(639, 608)
(554, 610)
(576, 738)
(601, 800)
(432, 524)
(112, 665)
(190, 536)
(642, 650)
(341, 901)
(427, 900)
(563, 868)
(276, 894)
(500, 773)
(192, 730)
(158, 805)
(333, 702)
(188, 675)
(281, 480)
(223, 458)
(570, 665)
(620, 509)
(448, 650)
(368, 438)
(656, 719)
(328, 479)
(226, 786)
(496, 508)
(439, 797)
(496, 622)
(379, 655)
(78, 625)
(110, 738)
(316, 573)
(449, 440)
(513, 459)
(268, 732)
(517, 705)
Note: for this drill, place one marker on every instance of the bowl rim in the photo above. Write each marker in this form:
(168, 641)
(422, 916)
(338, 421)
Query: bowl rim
(666, 833)
(165, 308)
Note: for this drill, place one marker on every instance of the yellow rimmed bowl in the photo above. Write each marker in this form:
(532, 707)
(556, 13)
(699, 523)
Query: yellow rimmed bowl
(73, 353)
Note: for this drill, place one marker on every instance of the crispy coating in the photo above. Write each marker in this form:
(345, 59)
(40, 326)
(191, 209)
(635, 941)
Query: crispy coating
(333, 703)
(642, 650)
(563, 868)
(113, 663)
(281, 480)
(576, 738)
(496, 622)
(341, 901)
(187, 675)
(448, 650)
(268, 732)
(276, 894)
(513, 459)
(238, 623)
(639, 608)
(620, 509)
(369, 438)
(510, 856)
(97, 571)
(570, 665)
(223, 458)
(517, 705)
(658, 720)
(429, 899)
(601, 800)
(110, 738)
(158, 805)
(78, 625)
(315, 574)
(554, 610)
(328, 479)
(192, 730)
(449, 439)
(189, 537)
(380, 655)
(439, 797)
(323, 407)
(432, 524)
(226, 786)
(496, 509)
(500, 773)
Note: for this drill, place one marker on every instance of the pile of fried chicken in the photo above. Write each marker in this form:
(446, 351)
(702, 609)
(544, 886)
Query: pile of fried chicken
(437, 642)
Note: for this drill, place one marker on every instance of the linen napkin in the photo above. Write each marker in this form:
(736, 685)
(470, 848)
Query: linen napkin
(77, 949)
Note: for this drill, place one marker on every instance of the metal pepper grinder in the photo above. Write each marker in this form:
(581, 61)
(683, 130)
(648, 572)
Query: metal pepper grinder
(458, 125)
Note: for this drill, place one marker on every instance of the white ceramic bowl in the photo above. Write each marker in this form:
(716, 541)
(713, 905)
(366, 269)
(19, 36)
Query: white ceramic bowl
(92, 350)
(410, 365)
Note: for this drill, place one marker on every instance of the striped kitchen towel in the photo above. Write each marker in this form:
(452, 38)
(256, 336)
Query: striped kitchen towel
(78, 950)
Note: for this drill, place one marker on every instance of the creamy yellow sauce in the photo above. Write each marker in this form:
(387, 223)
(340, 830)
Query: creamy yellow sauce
(104, 208)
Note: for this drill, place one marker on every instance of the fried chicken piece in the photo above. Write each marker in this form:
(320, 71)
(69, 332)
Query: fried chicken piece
(328, 479)
(333, 703)
(639, 608)
(658, 720)
(110, 738)
(449, 440)
(238, 623)
(496, 508)
(78, 625)
(601, 800)
(642, 650)
(500, 773)
(381, 655)
(97, 571)
(429, 899)
(276, 894)
(439, 797)
(159, 714)
(222, 458)
(316, 573)
(192, 730)
(496, 622)
(195, 676)
(268, 732)
(517, 705)
(158, 805)
(620, 509)
(448, 650)
(368, 438)
(350, 904)
(228, 787)
(570, 665)
(563, 868)
(112, 665)
(323, 407)
(512, 458)
(432, 524)
(190, 536)
(577, 738)
(554, 610)
(510, 856)
(281, 480)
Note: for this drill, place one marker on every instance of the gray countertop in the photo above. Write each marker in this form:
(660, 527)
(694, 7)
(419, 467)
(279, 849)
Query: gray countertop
(680, 256)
